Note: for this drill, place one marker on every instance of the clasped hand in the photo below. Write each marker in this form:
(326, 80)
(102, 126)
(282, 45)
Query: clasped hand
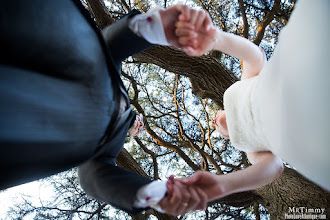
(189, 29)
(192, 193)
(182, 198)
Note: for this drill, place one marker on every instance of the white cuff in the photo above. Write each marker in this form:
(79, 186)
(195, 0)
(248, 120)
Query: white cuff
(149, 195)
(149, 26)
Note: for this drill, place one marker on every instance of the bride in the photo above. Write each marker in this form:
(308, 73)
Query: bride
(280, 108)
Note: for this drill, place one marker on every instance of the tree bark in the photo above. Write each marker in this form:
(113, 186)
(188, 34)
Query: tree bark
(100, 12)
(208, 77)
(292, 190)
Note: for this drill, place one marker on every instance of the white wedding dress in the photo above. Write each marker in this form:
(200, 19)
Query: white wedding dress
(286, 108)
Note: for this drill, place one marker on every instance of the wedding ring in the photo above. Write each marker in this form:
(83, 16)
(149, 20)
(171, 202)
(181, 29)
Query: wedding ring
(185, 204)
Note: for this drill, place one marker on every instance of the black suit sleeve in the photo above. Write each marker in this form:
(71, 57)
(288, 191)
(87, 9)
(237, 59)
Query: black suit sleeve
(100, 177)
(103, 180)
(111, 184)
(121, 41)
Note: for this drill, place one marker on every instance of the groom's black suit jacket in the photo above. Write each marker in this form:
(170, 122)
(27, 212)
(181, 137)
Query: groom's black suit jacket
(59, 91)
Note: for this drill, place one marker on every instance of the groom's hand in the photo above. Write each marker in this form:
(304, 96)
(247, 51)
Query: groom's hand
(189, 29)
(196, 33)
(169, 17)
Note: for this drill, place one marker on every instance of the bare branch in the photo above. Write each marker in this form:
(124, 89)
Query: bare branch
(269, 17)
(153, 156)
(245, 21)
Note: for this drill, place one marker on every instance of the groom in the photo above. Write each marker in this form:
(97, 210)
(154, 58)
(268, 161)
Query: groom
(63, 103)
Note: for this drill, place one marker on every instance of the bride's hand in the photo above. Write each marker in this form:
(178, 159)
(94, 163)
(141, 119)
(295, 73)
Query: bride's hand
(209, 183)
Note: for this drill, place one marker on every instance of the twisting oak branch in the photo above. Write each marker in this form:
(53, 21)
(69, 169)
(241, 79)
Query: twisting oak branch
(158, 140)
(153, 156)
(269, 17)
(209, 78)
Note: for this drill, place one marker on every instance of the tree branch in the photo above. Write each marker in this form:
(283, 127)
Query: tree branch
(211, 85)
(269, 17)
(245, 21)
(100, 13)
(153, 156)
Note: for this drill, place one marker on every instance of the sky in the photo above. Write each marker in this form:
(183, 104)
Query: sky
(34, 190)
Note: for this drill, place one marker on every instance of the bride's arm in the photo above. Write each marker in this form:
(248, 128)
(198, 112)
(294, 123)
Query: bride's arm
(196, 40)
(252, 56)
(266, 167)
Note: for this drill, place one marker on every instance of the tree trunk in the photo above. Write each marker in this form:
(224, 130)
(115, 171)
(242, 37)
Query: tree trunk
(208, 77)
(292, 190)
(100, 12)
